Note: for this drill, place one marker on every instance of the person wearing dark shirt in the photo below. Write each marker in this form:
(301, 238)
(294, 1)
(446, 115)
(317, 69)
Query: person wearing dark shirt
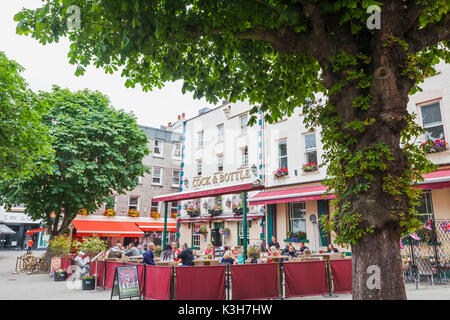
(186, 255)
(302, 247)
(274, 243)
(149, 255)
(331, 248)
(291, 252)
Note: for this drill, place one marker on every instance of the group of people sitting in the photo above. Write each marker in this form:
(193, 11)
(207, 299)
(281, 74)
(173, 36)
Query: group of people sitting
(290, 251)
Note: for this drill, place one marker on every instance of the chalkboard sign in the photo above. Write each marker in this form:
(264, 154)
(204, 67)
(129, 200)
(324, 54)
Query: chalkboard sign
(126, 282)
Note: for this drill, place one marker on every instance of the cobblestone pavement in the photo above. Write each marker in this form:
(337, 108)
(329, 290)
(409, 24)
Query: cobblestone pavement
(41, 287)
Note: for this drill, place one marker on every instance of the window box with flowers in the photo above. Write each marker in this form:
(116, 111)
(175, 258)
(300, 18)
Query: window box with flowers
(133, 213)
(155, 215)
(310, 167)
(281, 172)
(110, 212)
(192, 208)
(216, 207)
(296, 237)
(83, 212)
(431, 146)
(174, 215)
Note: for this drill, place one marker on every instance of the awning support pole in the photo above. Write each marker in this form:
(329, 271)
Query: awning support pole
(244, 225)
(165, 226)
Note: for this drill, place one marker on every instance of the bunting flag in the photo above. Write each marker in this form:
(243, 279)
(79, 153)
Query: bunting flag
(427, 225)
(414, 236)
(445, 226)
(402, 246)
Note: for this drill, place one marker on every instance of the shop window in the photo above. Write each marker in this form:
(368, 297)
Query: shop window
(432, 121)
(425, 208)
(297, 218)
(310, 148)
(282, 154)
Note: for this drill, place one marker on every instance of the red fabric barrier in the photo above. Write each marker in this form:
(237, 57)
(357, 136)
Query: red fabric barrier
(342, 275)
(100, 272)
(140, 268)
(157, 282)
(307, 278)
(66, 262)
(110, 271)
(254, 281)
(200, 283)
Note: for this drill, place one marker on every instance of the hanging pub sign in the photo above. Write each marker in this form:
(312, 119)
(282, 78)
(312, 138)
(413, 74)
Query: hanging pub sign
(126, 283)
(221, 178)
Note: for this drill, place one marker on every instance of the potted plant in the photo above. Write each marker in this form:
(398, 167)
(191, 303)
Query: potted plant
(215, 210)
(237, 208)
(158, 251)
(310, 167)
(281, 172)
(110, 212)
(58, 247)
(225, 231)
(83, 212)
(133, 213)
(155, 215)
(60, 275)
(91, 246)
(254, 253)
(193, 210)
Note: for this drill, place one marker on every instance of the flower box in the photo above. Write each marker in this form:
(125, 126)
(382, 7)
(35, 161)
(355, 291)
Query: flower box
(133, 213)
(431, 146)
(174, 215)
(88, 283)
(238, 211)
(155, 215)
(281, 172)
(310, 167)
(193, 213)
(110, 212)
(83, 212)
(215, 212)
(60, 276)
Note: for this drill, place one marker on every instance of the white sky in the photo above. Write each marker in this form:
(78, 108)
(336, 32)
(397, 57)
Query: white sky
(48, 65)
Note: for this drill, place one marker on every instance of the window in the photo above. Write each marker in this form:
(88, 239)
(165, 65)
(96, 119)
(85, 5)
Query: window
(241, 232)
(220, 133)
(199, 167)
(282, 154)
(133, 203)
(244, 153)
(173, 207)
(310, 148)
(157, 175)
(200, 139)
(220, 162)
(196, 241)
(176, 178)
(243, 120)
(140, 179)
(177, 151)
(432, 121)
(158, 150)
(154, 207)
(297, 217)
(425, 209)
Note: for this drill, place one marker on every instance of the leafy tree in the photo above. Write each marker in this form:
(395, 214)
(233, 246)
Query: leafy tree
(278, 55)
(23, 137)
(98, 150)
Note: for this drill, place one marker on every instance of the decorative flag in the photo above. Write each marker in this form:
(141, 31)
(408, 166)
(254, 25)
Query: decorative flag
(445, 226)
(427, 225)
(402, 246)
(414, 236)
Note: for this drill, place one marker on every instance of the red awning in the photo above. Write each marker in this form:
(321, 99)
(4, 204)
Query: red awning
(156, 226)
(215, 218)
(435, 180)
(30, 232)
(187, 195)
(86, 228)
(290, 195)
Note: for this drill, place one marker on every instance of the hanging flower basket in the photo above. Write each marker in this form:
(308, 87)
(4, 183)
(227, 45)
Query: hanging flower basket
(310, 167)
(155, 215)
(133, 213)
(225, 231)
(237, 208)
(215, 210)
(202, 230)
(193, 211)
(431, 146)
(282, 172)
(83, 212)
(110, 212)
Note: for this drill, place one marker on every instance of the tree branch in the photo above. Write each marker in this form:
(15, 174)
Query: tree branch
(430, 35)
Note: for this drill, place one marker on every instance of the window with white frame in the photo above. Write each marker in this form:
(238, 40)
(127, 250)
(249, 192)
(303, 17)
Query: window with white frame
(297, 217)
(173, 207)
(158, 149)
(310, 148)
(176, 178)
(220, 162)
(199, 167)
(200, 139)
(154, 207)
(425, 208)
(195, 241)
(432, 121)
(243, 120)
(133, 203)
(157, 175)
(282, 154)
(177, 151)
(220, 133)
(244, 156)
(140, 179)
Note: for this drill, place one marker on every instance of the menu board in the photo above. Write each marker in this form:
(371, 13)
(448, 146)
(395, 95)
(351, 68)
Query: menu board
(126, 282)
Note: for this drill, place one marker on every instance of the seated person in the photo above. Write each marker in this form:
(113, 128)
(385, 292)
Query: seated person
(307, 253)
(132, 251)
(167, 255)
(240, 257)
(302, 247)
(115, 252)
(273, 252)
(331, 248)
(186, 255)
(209, 250)
(227, 257)
(291, 252)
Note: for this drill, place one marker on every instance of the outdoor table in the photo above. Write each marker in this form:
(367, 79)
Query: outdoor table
(166, 263)
(277, 258)
(206, 262)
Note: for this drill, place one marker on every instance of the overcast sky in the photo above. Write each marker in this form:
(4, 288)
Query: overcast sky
(48, 65)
